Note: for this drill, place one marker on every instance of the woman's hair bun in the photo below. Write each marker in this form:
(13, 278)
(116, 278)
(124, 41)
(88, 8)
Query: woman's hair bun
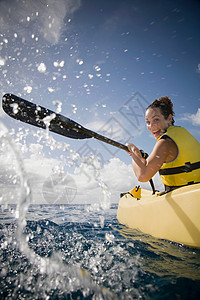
(167, 101)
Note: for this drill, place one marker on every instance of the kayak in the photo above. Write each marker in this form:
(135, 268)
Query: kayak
(173, 216)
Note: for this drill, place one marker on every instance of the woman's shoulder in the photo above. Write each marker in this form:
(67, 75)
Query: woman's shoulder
(168, 146)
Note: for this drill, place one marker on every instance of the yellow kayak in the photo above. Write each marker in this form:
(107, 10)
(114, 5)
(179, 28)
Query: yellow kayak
(174, 216)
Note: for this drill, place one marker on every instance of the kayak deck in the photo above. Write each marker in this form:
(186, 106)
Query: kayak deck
(174, 216)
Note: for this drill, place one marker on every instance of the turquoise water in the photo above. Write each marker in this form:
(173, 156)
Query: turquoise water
(69, 252)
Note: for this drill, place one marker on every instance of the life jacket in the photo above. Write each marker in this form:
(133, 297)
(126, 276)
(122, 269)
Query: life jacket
(185, 169)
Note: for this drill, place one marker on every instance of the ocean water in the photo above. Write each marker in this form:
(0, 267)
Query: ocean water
(71, 252)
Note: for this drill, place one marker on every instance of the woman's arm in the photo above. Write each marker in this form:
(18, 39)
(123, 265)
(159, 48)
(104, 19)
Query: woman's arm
(164, 150)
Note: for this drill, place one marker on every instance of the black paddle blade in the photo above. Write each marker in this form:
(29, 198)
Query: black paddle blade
(39, 116)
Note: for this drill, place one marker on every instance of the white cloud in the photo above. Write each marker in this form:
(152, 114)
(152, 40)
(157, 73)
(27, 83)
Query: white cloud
(39, 165)
(95, 125)
(118, 175)
(94, 184)
(91, 182)
(193, 118)
(111, 128)
(198, 68)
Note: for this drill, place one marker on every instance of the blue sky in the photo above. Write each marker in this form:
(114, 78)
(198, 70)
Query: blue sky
(104, 61)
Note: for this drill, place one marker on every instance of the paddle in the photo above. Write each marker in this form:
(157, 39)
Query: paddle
(39, 116)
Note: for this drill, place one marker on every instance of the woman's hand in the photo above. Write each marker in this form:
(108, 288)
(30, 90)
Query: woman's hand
(138, 162)
(146, 169)
(133, 150)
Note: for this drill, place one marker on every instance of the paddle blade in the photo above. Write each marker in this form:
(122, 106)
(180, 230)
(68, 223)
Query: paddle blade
(39, 116)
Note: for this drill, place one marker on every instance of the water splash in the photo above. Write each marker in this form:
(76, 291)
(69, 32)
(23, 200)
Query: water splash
(52, 272)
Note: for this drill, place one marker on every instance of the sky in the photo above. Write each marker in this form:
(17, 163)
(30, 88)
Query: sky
(100, 63)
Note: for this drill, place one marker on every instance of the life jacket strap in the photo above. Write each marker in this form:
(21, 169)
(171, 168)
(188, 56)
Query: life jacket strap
(188, 167)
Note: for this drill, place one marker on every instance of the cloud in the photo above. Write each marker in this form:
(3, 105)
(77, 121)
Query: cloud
(87, 184)
(192, 118)
(198, 68)
(111, 128)
(27, 18)
(94, 184)
(112, 174)
(51, 181)
(95, 124)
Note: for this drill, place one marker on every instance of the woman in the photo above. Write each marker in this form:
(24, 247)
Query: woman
(176, 154)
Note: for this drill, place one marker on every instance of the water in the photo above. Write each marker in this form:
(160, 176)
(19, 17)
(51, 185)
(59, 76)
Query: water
(85, 259)
(79, 251)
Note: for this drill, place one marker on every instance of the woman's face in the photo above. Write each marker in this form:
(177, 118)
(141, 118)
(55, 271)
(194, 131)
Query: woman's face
(156, 122)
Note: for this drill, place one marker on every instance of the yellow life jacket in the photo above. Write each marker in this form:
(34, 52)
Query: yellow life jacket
(185, 169)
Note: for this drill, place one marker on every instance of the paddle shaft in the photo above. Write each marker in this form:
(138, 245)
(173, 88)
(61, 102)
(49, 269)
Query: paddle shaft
(103, 138)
